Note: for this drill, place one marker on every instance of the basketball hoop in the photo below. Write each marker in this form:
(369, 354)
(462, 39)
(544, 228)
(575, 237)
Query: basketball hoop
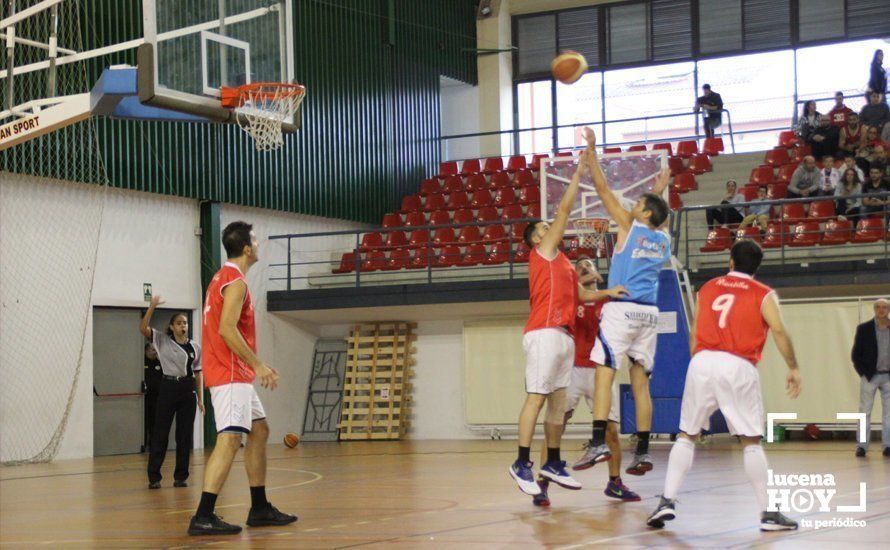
(262, 107)
(592, 233)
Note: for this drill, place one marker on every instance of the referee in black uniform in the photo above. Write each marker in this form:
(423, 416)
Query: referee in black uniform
(180, 392)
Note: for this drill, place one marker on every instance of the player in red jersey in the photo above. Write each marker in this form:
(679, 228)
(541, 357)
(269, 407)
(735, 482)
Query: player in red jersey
(582, 385)
(733, 315)
(228, 339)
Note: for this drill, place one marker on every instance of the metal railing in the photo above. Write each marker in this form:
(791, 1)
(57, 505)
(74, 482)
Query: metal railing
(798, 105)
(554, 133)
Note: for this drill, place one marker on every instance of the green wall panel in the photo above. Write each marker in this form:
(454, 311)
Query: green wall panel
(370, 119)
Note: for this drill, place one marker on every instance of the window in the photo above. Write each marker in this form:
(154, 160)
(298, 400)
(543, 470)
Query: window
(579, 30)
(671, 29)
(820, 19)
(767, 24)
(536, 40)
(628, 33)
(582, 102)
(824, 70)
(720, 26)
(535, 109)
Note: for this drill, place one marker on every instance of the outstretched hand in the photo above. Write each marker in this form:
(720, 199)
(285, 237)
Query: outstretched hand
(590, 137)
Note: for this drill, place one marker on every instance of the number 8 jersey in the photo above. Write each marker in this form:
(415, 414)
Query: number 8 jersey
(730, 318)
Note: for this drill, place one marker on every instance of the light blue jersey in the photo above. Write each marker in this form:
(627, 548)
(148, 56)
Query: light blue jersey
(637, 264)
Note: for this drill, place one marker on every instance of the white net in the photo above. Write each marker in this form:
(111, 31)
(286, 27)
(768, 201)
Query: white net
(265, 107)
(591, 233)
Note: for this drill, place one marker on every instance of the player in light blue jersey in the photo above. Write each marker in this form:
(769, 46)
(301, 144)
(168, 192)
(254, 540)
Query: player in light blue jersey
(629, 325)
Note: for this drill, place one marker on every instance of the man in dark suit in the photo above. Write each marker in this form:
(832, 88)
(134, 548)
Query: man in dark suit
(712, 105)
(871, 359)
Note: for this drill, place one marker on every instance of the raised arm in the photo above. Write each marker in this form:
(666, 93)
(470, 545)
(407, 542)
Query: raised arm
(622, 217)
(662, 180)
(145, 323)
(551, 241)
(233, 298)
(773, 317)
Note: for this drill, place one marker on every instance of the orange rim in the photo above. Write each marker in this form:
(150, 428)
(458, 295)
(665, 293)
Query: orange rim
(234, 97)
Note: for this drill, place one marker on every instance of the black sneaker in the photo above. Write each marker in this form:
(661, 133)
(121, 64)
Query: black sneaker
(664, 512)
(214, 525)
(180, 483)
(860, 452)
(775, 521)
(154, 484)
(269, 515)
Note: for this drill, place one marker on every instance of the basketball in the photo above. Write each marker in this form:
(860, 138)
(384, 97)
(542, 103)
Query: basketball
(812, 432)
(568, 67)
(291, 440)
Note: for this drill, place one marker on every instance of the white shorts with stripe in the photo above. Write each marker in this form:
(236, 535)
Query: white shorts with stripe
(235, 407)
(720, 380)
(584, 385)
(626, 329)
(549, 354)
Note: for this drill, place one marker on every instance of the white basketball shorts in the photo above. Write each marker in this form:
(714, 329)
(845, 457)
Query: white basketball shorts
(720, 380)
(549, 354)
(236, 406)
(626, 329)
(583, 384)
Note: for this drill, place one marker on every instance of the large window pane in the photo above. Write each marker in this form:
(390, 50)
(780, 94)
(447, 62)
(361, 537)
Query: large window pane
(648, 91)
(535, 110)
(824, 70)
(536, 40)
(628, 34)
(758, 90)
(720, 27)
(820, 19)
(581, 102)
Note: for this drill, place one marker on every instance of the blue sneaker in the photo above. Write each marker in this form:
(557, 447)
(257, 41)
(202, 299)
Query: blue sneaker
(525, 477)
(542, 499)
(556, 472)
(617, 489)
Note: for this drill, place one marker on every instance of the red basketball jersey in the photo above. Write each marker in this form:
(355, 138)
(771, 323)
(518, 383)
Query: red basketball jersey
(553, 292)
(587, 325)
(730, 318)
(222, 365)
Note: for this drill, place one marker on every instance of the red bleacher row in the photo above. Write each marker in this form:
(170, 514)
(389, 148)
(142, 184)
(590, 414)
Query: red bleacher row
(798, 224)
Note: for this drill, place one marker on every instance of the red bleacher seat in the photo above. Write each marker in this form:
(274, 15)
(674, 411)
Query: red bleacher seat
(419, 238)
(374, 260)
(793, 213)
(487, 214)
(499, 180)
(522, 253)
(512, 212)
(799, 152)
(523, 178)
(475, 254)
(533, 210)
(750, 192)
(396, 239)
(347, 263)
(392, 220)
(719, 239)
(684, 182)
(371, 241)
(787, 138)
(821, 210)
(869, 230)
(785, 173)
(414, 219)
(806, 234)
(429, 186)
(608, 150)
(536, 162)
(398, 259)
(517, 230)
(411, 203)
(492, 165)
(777, 157)
(464, 215)
(638, 147)
(454, 184)
(470, 166)
(837, 232)
(448, 256)
(447, 169)
(516, 162)
(575, 251)
(676, 165)
(500, 253)
(712, 146)
(761, 175)
(475, 182)
(668, 148)
(776, 234)
(443, 236)
(674, 200)
(469, 234)
(700, 163)
(421, 258)
(440, 217)
(777, 191)
(493, 234)
(432, 202)
(685, 149)
(504, 196)
(481, 198)
(458, 199)
(529, 195)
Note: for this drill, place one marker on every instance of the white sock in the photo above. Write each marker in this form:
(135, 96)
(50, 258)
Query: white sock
(755, 468)
(679, 462)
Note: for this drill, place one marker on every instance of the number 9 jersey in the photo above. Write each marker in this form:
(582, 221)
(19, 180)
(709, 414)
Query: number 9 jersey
(730, 318)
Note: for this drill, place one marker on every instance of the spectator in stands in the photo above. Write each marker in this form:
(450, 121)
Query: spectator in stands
(712, 104)
(809, 120)
(850, 185)
(830, 177)
(877, 81)
(805, 180)
(840, 113)
(758, 213)
(823, 138)
(850, 164)
(852, 136)
(877, 205)
(885, 133)
(866, 153)
(879, 160)
(725, 216)
(876, 113)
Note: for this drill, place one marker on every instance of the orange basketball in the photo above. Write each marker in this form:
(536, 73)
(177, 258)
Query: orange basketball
(291, 440)
(568, 66)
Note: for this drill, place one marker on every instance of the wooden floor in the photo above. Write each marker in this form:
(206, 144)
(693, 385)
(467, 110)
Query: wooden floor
(432, 494)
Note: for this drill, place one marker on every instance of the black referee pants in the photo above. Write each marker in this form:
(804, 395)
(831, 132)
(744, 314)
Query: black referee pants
(175, 399)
